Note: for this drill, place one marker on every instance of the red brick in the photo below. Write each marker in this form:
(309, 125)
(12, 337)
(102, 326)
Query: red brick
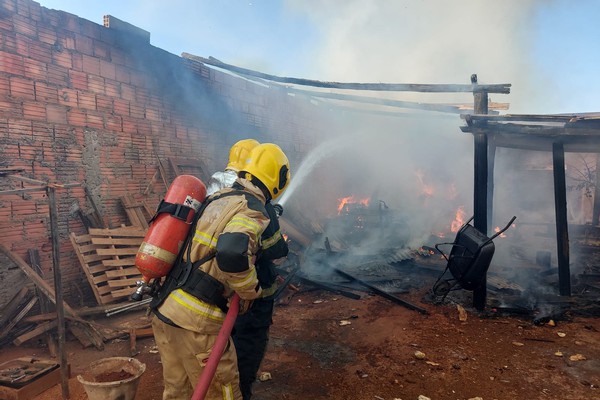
(21, 45)
(9, 5)
(35, 11)
(127, 92)
(36, 70)
(11, 63)
(56, 114)
(90, 28)
(121, 74)
(4, 86)
(58, 75)
(67, 97)
(94, 120)
(41, 52)
(90, 65)
(101, 50)
(86, 100)
(22, 88)
(12, 108)
(34, 111)
(45, 93)
(24, 25)
(114, 123)
(121, 107)
(107, 70)
(77, 60)
(76, 117)
(136, 111)
(79, 80)
(62, 58)
(70, 22)
(112, 88)
(104, 103)
(51, 17)
(96, 84)
(20, 129)
(46, 35)
(84, 44)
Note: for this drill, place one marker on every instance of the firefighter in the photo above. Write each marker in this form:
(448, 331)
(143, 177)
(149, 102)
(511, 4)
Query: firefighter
(238, 157)
(251, 331)
(191, 305)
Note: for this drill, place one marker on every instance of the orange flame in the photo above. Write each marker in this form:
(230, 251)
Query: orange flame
(427, 190)
(459, 220)
(350, 200)
(497, 229)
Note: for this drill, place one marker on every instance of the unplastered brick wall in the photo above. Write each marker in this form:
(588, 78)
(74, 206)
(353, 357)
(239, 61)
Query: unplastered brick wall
(86, 104)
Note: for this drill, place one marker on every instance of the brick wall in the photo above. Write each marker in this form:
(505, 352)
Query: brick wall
(83, 103)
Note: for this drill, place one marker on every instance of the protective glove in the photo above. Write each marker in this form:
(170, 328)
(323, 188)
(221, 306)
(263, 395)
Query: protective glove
(278, 209)
(244, 306)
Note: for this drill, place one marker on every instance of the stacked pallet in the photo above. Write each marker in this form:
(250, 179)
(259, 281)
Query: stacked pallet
(107, 257)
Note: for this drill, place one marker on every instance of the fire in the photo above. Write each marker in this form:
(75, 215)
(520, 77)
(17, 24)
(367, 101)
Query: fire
(427, 190)
(459, 220)
(350, 200)
(497, 229)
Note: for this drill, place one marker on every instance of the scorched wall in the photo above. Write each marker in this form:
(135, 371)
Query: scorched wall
(84, 103)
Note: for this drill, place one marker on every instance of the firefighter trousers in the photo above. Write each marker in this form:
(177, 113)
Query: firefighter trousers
(251, 336)
(184, 354)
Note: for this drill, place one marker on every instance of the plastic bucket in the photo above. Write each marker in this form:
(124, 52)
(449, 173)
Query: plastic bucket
(113, 378)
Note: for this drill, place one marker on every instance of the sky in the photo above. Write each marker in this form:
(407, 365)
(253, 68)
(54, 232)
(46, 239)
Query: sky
(547, 49)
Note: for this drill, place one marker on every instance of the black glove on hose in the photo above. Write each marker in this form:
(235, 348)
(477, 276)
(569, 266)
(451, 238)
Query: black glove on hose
(278, 209)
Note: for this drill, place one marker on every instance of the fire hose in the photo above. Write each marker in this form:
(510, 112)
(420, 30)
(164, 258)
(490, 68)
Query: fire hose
(208, 373)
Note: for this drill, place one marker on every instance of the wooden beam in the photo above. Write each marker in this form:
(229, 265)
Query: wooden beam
(560, 208)
(480, 193)
(397, 87)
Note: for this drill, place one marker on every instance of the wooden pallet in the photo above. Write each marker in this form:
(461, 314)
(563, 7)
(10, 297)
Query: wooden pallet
(107, 257)
(135, 211)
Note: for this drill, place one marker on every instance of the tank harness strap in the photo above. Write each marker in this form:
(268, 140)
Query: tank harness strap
(188, 276)
(178, 211)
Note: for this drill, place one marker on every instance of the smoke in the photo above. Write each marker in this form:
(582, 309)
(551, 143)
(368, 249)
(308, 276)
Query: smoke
(413, 41)
(422, 167)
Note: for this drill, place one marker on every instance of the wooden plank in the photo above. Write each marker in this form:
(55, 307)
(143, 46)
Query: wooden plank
(118, 252)
(123, 282)
(39, 282)
(121, 262)
(84, 266)
(12, 307)
(129, 231)
(124, 272)
(41, 328)
(19, 316)
(117, 241)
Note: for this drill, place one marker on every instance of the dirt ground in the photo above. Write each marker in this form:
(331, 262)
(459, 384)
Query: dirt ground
(326, 346)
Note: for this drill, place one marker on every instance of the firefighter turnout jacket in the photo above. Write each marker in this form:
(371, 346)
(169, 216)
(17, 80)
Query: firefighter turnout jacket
(230, 229)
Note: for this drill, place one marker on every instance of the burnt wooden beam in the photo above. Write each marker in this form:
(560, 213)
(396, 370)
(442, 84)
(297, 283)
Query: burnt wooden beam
(398, 87)
(560, 208)
(329, 288)
(480, 192)
(382, 293)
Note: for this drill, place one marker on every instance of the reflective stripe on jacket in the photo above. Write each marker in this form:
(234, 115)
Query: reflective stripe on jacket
(236, 216)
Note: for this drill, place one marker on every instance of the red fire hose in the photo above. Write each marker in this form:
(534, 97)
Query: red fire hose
(208, 373)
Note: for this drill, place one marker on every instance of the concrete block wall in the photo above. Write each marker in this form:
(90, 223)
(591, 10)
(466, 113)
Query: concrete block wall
(83, 103)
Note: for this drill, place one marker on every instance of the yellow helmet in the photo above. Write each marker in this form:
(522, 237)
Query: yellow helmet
(270, 166)
(240, 153)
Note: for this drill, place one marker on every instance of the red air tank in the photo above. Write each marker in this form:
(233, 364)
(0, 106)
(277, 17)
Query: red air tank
(169, 229)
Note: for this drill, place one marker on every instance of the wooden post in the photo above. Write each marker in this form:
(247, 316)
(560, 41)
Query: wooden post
(490, 191)
(596, 211)
(480, 193)
(560, 208)
(60, 311)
